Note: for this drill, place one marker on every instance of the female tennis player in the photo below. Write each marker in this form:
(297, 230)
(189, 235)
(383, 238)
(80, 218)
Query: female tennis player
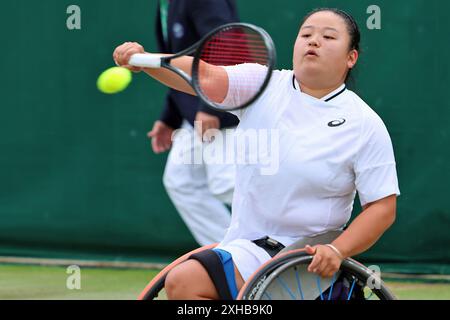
(332, 145)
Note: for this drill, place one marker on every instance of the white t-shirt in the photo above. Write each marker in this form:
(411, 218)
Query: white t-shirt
(328, 149)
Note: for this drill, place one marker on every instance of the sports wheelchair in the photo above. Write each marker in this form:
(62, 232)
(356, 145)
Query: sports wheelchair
(285, 277)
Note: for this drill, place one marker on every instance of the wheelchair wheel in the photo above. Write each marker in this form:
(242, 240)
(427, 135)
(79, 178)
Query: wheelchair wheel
(286, 278)
(155, 289)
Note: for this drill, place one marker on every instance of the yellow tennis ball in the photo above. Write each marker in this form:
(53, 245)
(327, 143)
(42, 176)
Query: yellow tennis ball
(114, 80)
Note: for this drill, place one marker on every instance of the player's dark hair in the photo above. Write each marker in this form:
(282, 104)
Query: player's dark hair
(352, 28)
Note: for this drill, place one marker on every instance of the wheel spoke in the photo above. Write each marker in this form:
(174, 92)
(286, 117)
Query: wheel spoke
(286, 287)
(320, 288)
(267, 295)
(299, 285)
(332, 285)
(351, 290)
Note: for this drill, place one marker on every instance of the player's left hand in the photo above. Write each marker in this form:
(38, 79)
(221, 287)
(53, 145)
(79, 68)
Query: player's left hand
(325, 262)
(207, 122)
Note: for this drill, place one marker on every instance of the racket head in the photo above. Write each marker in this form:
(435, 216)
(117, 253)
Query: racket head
(230, 45)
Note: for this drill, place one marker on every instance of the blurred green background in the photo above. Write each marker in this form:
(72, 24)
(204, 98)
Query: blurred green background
(78, 177)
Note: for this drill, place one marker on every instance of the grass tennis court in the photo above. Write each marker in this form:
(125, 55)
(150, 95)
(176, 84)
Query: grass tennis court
(39, 282)
(49, 283)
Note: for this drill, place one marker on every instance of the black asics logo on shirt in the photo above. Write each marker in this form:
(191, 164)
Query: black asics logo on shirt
(336, 123)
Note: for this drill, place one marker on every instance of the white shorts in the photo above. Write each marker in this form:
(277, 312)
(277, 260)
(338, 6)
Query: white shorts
(247, 256)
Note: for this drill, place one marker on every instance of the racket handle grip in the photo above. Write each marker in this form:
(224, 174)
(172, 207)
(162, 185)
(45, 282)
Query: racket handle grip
(145, 60)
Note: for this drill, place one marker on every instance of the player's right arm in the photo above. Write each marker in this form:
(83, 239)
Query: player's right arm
(216, 89)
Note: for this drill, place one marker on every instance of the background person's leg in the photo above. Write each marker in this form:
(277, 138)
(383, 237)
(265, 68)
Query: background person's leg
(221, 174)
(187, 186)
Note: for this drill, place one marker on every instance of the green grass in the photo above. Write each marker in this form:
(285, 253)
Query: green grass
(415, 290)
(49, 283)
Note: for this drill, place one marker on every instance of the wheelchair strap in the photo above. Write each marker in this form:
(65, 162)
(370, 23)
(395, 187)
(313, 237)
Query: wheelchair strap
(272, 246)
(212, 262)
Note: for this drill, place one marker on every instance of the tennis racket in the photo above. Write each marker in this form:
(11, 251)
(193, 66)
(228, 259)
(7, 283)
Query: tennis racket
(229, 45)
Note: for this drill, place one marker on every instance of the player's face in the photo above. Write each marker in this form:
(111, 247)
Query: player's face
(322, 55)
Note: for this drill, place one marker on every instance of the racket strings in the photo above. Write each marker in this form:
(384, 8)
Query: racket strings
(233, 47)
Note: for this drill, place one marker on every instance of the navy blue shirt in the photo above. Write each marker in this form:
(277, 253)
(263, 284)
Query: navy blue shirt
(187, 22)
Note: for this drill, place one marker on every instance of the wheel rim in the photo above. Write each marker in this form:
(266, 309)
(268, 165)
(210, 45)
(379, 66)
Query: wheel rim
(283, 280)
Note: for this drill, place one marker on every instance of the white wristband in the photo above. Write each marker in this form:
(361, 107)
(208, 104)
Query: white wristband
(336, 251)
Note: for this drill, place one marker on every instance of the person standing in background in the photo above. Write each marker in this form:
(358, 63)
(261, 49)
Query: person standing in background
(200, 192)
